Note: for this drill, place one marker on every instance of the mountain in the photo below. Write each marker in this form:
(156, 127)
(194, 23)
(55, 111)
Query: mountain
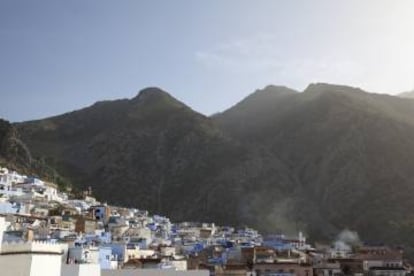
(408, 94)
(328, 158)
(351, 151)
(151, 152)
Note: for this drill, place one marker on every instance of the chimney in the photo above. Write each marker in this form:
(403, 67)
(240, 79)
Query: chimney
(30, 235)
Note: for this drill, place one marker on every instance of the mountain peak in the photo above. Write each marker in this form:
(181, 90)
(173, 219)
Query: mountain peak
(151, 93)
(260, 100)
(268, 93)
(154, 95)
(155, 98)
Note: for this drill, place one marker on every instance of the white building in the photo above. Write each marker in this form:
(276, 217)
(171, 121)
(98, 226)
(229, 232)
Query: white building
(93, 255)
(51, 191)
(39, 259)
(30, 258)
(7, 180)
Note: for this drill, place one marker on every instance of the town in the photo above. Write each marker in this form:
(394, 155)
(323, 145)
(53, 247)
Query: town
(46, 232)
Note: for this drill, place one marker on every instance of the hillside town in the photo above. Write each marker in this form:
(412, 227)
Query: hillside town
(44, 231)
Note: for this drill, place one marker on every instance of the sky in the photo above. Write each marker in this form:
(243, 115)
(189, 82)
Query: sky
(58, 56)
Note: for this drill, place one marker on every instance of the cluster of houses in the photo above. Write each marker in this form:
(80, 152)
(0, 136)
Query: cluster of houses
(45, 232)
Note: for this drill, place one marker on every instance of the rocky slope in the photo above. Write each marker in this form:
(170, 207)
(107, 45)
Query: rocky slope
(14, 154)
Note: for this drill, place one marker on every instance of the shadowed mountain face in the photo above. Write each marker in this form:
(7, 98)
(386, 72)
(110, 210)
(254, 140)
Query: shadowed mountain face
(327, 158)
(151, 152)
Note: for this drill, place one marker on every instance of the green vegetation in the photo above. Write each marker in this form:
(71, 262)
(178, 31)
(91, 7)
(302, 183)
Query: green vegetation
(14, 154)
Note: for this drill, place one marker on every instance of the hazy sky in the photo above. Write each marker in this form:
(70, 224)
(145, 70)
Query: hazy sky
(56, 56)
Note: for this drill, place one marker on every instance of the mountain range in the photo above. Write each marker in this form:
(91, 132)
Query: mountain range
(328, 158)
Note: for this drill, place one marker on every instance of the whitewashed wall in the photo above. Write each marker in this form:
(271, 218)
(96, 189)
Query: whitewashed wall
(12, 266)
(30, 265)
(46, 265)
